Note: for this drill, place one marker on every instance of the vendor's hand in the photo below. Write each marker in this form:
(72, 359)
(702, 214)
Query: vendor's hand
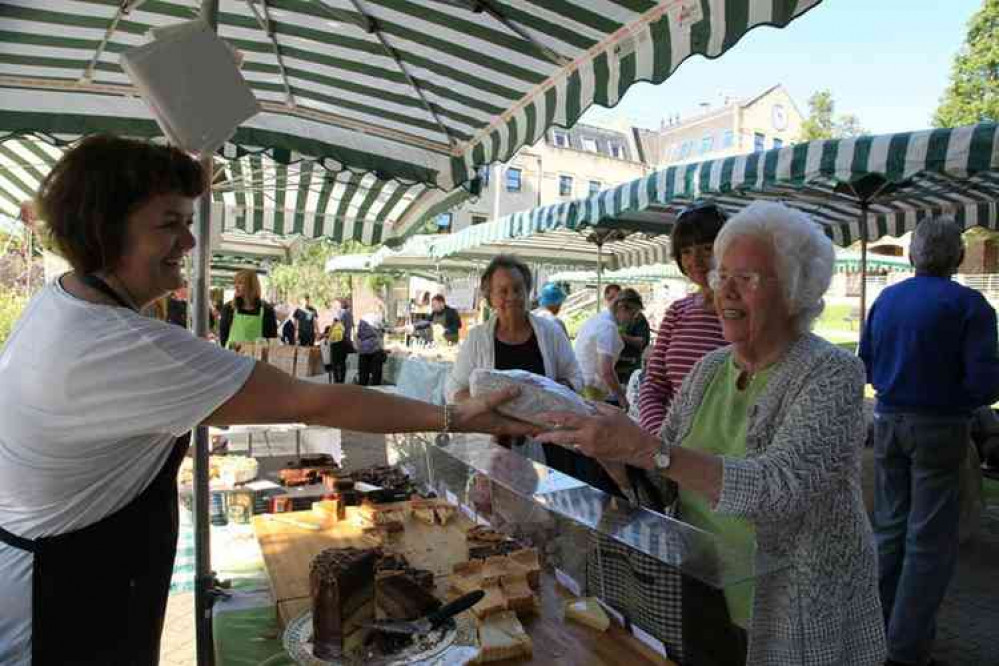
(480, 415)
(610, 435)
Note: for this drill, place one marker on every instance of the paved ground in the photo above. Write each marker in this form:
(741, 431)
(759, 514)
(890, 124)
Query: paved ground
(968, 633)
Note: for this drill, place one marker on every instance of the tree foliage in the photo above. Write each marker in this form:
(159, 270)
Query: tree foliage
(973, 93)
(822, 122)
(306, 274)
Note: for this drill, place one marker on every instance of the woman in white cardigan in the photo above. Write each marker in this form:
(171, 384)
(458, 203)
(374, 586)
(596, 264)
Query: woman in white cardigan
(514, 339)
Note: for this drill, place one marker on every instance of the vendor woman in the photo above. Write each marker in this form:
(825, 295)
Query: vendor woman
(97, 402)
(247, 317)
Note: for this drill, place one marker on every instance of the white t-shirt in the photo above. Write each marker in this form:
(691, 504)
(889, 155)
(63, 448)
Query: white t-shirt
(598, 336)
(91, 399)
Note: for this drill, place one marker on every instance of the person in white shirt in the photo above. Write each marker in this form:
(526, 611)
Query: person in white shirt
(599, 344)
(97, 402)
(515, 339)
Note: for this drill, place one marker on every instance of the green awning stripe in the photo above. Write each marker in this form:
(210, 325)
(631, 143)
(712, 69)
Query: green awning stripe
(477, 75)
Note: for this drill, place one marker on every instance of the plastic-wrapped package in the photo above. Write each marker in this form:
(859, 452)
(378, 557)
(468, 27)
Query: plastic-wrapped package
(538, 394)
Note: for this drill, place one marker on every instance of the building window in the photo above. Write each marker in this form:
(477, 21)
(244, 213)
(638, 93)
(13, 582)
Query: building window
(595, 187)
(561, 138)
(617, 150)
(479, 219)
(565, 186)
(513, 180)
(589, 145)
(778, 143)
(444, 223)
(707, 143)
(759, 141)
(483, 173)
(728, 138)
(685, 149)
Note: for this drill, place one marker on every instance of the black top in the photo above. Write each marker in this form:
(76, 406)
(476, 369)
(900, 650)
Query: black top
(639, 328)
(449, 319)
(525, 356)
(306, 318)
(270, 319)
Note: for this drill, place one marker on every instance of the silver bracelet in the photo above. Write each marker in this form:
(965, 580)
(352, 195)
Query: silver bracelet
(447, 411)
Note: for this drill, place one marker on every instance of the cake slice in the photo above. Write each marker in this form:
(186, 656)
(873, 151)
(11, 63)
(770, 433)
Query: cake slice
(519, 596)
(399, 596)
(502, 636)
(526, 560)
(493, 602)
(587, 611)
(432, 511)
(342, 585)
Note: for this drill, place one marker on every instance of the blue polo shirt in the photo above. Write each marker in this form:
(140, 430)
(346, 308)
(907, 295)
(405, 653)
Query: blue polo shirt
(930, 347)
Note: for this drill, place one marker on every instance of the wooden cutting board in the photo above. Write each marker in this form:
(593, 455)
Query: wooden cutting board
(289, 548)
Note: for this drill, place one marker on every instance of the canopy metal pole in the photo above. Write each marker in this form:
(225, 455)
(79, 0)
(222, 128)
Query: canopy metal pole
(600, 271)
(863, 265)
(204, 580)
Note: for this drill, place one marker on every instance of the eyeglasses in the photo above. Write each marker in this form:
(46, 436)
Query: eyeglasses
(745, 281)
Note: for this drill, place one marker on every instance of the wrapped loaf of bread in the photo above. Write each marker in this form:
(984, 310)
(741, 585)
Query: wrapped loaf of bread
(537, 395)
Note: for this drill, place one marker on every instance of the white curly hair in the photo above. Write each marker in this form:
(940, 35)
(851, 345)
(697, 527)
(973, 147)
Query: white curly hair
(804, 255)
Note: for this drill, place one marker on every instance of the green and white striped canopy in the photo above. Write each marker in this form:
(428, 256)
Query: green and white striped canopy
(255, 194)
(943, 171)
(415, 90)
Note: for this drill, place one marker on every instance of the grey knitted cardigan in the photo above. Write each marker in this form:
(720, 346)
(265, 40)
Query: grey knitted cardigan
(799, 485)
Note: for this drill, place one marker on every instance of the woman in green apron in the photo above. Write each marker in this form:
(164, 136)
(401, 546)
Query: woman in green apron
(247, 317)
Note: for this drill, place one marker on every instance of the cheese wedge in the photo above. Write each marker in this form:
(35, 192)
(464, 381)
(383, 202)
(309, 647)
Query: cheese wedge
(502, 636)
(587, 611)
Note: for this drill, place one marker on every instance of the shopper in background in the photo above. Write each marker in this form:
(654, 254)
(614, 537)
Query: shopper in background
(446, 316)
(550, 304)
(306, 322)
(636, 337)
(336, 335)
(691, 327)
(514, 339)
(370, 350)
(247, 317)
(930, 349)
(599, 344)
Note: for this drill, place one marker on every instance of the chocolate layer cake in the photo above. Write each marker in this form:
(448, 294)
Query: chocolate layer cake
(342, 582)
(400, 597)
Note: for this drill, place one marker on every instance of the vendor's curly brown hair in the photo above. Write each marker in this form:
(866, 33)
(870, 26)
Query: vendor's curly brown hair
(88, 196)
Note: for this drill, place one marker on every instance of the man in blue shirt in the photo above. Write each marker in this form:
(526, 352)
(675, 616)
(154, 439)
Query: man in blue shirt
(930, 347)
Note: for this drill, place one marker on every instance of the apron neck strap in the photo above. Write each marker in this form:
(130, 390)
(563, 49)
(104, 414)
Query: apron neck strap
(100, 285)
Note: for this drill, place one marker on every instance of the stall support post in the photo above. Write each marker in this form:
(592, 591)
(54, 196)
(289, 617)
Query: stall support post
(863, 265)
(204, 580)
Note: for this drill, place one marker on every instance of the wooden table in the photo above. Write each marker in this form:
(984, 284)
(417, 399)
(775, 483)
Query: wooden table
(288, 551)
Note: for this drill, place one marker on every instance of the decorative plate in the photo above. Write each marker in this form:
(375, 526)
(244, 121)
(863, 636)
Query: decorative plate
(454, 644)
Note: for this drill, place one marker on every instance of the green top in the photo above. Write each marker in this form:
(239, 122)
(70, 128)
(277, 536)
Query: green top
(245, 328)
(720, 428)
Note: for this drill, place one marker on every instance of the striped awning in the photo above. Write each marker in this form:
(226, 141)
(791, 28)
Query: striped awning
(918, 174)
(414, 90)
(647, 274)
(257, 194)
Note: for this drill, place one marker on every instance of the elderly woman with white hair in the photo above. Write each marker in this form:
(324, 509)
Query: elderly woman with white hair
(763, 444)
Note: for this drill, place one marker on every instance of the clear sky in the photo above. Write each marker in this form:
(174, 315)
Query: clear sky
(887, 61)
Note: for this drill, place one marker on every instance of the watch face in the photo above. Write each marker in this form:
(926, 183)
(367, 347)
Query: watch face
(778, 116)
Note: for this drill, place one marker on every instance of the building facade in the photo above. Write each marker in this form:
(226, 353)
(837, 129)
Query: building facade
(734, 127)
(567, 164)
(578, 162)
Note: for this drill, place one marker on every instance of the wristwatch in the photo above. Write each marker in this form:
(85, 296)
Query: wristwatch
(661, 459)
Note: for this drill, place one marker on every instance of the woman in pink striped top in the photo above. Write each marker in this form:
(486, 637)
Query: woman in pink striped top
(690, 328)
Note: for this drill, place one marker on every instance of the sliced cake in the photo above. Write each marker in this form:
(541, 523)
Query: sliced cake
(342, 583)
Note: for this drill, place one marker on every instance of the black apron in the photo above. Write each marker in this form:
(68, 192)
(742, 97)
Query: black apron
(99, 593)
